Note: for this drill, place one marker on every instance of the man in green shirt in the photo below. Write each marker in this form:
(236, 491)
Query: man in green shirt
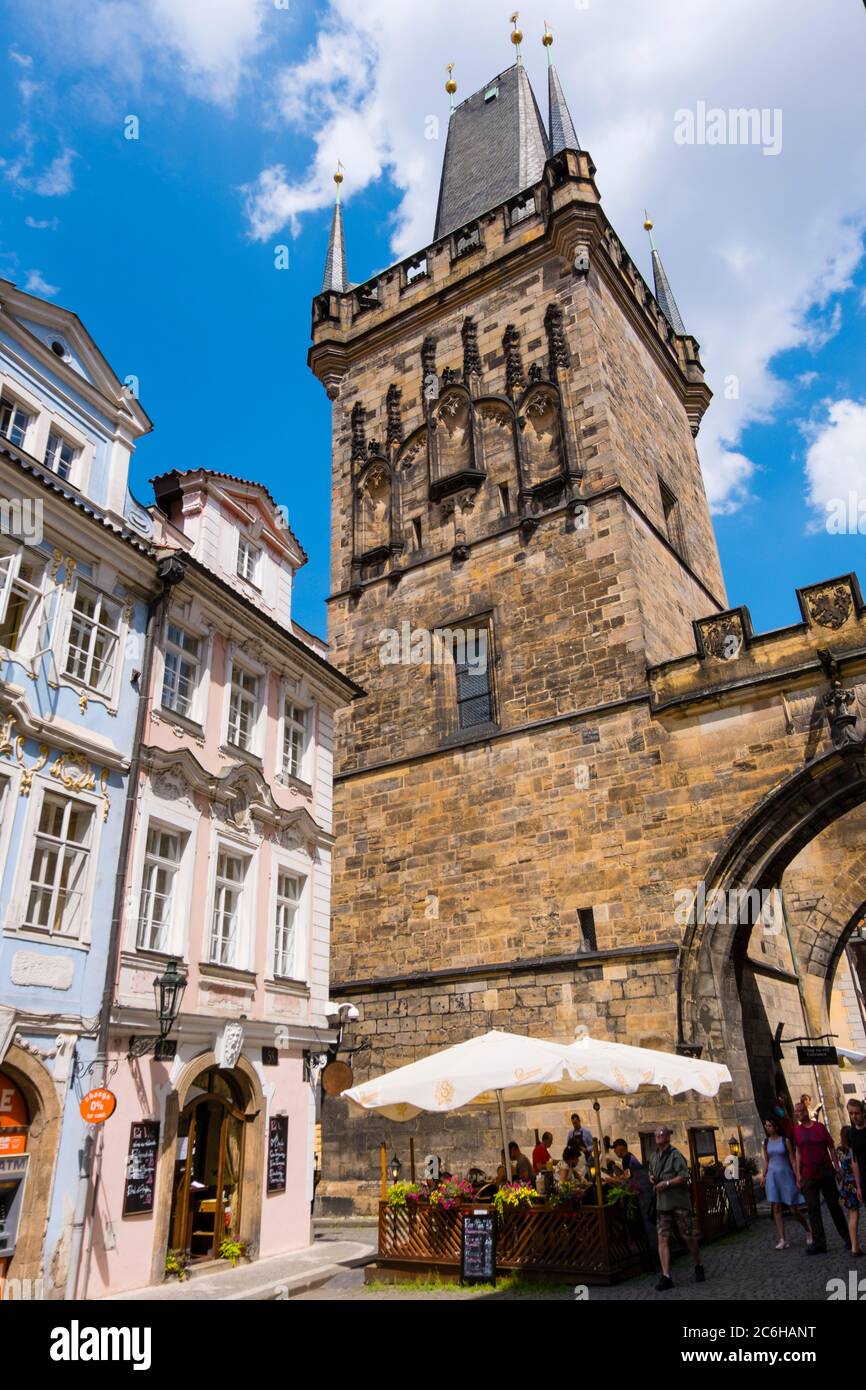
(669, 1175)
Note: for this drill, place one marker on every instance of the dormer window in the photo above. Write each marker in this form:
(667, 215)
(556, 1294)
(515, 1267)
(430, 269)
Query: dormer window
(59, 349)
(14, 422)
(249, 562)
(60, 455)
(491, 94)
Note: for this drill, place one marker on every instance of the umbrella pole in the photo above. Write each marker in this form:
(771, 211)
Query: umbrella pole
(502, 1126)
(597, 1108)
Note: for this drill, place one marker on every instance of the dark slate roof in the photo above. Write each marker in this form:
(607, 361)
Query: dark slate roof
(563, 135)
(665, 295)
(495, 150)
(335, 262)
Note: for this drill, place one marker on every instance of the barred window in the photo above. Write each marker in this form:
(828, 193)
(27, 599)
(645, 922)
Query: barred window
(474, 691)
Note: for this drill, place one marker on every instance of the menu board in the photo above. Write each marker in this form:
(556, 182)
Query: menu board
(278, 1144)
(140, 1185)
(478, 1246)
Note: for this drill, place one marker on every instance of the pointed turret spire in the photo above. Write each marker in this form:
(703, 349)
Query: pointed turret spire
(335, 263)
(663, 291)
(496, 148)
(563, 135)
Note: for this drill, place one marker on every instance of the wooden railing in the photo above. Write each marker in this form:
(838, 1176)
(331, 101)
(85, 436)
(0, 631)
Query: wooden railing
(594, 1244)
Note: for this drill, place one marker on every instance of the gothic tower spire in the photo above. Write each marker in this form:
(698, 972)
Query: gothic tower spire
(335, 262)
(664, 293)
(563, 135)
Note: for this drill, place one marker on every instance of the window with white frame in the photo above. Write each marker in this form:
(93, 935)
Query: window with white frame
(14, 421)
(20, 593)
(296, 727)
(59, 867)
(94, 633)
(227, 906)
(285, 925)
(182, 662)
(243, 707)
(249, 561)
(162, 858)
(60, 455)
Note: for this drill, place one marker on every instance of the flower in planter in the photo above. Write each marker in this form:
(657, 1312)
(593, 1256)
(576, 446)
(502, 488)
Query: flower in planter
(176, 1262)
(450, 1192)
(401, 1193)
(511, 1196)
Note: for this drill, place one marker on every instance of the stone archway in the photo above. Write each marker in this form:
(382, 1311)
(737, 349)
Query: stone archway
(253, 1159)
(43, 1140)
(755, 857)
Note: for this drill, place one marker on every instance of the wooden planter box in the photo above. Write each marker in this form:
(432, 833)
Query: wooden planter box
(590, 1245)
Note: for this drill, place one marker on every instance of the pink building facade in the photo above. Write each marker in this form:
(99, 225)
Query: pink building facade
(228, 871)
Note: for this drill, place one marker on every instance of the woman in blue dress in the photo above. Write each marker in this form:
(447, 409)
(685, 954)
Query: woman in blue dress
(780, 1184)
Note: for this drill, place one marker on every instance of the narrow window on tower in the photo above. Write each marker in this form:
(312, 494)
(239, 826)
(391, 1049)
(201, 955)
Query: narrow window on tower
(504, 500)
(473, 677)
(586, 919)
(673, 519)
(416, 532)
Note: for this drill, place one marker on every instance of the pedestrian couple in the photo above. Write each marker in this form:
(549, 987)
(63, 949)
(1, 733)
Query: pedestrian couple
(801, 1166)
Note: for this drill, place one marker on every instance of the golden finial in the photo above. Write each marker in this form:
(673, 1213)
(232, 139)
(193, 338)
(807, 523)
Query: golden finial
(338, 176)
(648, 228)
(516, 35)
(451, 85)
(547, 40)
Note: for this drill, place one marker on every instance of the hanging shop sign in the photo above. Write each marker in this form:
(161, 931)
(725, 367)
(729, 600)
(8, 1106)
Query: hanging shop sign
(97, 1106)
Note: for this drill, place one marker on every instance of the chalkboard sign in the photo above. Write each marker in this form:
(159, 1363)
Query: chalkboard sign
(278, 1144)
(738, 1215)
(478, 1246)
(141, 1167)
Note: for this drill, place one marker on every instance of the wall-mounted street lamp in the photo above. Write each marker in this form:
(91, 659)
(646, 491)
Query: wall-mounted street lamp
(734, 1146)
(396, 1169)
(168, 991)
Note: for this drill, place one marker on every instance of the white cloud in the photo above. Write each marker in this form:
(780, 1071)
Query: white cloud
(37, 284)
(836, 458)
(42, 224)
(57, 179)
(203, 46)
(750, 257)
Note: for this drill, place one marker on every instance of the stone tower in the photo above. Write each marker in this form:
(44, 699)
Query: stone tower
(514, 413)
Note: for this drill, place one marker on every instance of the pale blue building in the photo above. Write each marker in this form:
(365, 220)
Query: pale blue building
(77, 578)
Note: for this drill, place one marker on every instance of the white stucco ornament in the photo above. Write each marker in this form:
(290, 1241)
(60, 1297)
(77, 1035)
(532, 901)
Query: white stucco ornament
(230, 1044)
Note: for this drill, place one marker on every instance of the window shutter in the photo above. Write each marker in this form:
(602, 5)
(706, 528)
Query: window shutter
(9, 565)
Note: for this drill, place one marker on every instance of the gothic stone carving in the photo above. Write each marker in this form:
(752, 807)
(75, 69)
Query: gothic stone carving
(838, 703)
(722, 638)
(830, 607)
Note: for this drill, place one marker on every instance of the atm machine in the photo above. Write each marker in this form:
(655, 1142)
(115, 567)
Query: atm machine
(13, 1180)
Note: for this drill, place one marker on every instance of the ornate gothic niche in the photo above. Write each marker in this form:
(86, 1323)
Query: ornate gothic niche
(373, 504)
(544, 464)
(453, 446)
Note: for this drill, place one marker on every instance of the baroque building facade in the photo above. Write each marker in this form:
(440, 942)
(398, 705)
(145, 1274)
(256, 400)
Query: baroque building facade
(76, 574)
(575, 770)
(228, 874)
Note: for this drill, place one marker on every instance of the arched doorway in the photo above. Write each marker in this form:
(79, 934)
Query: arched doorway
(717, 1005)
(31, 1135)
(207, 1194)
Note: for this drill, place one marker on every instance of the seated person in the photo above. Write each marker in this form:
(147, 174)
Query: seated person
(541, 1152)
(567, 1169)
(521, 1168)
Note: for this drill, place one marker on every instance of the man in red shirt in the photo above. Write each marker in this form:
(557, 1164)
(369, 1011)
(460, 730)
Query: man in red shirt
(541, 1152)
(817, 1169)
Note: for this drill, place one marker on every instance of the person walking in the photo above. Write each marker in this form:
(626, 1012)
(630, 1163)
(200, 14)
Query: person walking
(779, 1181)
(857, 1125)
(817, 1169)
(850, 1188)
(669, 1175)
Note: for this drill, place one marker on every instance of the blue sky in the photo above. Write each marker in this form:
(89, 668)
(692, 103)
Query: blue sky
(165, 245)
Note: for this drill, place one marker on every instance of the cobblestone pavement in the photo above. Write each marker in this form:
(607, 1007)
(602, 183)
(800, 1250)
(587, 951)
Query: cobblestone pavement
(742, 1268)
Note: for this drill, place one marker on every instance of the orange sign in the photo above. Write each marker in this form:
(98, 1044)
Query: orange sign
(13, 1116)
(97, 1105)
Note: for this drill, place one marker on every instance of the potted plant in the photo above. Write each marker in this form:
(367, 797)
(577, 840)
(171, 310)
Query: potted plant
(176, 1262)
(450, 1192)
(232, 1250)
(512, 1197)
(402, 1194)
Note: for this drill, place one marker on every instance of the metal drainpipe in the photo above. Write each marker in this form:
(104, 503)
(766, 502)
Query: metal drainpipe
(170, 569)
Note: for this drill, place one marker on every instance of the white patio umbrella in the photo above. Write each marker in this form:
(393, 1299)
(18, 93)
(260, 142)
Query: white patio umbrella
(855, 1060)
(509, 1069)
(489, 1070)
